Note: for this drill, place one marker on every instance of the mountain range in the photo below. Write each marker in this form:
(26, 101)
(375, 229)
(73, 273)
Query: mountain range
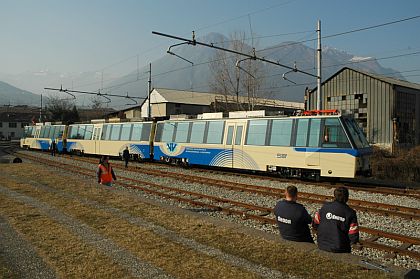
(174, 72)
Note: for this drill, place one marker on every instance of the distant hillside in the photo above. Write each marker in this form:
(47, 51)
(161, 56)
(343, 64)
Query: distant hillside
(172, 72)
(15, 96)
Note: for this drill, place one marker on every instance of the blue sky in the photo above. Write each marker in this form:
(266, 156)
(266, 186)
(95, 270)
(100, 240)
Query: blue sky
(92, 35)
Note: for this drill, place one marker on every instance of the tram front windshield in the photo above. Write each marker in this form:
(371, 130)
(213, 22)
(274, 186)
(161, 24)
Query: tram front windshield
(356, 133)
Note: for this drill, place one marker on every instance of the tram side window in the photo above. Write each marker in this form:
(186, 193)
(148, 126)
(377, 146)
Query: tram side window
(59, 132)
(137, 132)
(72, 132)
(314, 132)
(88, 132)
(115, 132)
(42, 133)
(168, 132)
(281, 132)
(215, 132)
(182, 131)
(51, 132)
(106, 130)
(125, 131)
(302, 132)
(197, 132)
(256, 132)
(333, 134)
(81, 132)
(145, 133)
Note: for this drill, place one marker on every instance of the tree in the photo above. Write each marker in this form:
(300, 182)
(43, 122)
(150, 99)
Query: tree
(97, 102)
(62, 110)
(231, 81)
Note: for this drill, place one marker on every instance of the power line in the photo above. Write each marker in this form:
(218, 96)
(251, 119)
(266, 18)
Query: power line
(346, 32)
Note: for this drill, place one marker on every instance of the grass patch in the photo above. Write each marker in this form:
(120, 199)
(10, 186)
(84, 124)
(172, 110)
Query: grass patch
(259, 250)
(67, 254)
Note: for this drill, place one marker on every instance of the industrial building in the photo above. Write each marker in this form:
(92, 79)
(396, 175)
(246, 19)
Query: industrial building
(167, 102)
(387, 109)
(13, 119)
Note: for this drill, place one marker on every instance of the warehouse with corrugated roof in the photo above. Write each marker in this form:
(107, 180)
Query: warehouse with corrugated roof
(386, 108)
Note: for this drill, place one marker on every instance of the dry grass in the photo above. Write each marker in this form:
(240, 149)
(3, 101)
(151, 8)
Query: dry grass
(162, 252)
(67, 254)
(402, 166)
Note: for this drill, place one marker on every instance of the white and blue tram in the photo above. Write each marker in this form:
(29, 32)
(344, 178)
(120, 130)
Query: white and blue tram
(111, 138)
(302, 146)
(40, 136)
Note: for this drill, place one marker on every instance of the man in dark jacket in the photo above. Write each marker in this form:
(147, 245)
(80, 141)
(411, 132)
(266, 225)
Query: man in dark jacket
(126, 156)
(336, 224)
(292, 218)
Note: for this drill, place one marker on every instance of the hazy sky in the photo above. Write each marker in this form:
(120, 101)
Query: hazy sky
(95, 35)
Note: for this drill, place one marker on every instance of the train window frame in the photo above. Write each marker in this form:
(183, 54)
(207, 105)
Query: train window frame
(238, 140)
(273, 121)
(184, 132)
(146, 131)
(136, 136)
(106, 131)
(194, 132)
(88, 130)
(126, 136)
(217, 134)
(326, 139)
(304, 133)
(317, 136)
(247, 138)
(229, 134)
(170, 136)
(114, 135)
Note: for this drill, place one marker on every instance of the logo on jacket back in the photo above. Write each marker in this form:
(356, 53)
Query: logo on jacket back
(171, 146)
(284, 220)
(330, 216)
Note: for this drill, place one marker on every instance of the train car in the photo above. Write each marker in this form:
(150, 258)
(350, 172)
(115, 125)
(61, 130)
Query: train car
(111, 138)
(310, 146)
(40, 136)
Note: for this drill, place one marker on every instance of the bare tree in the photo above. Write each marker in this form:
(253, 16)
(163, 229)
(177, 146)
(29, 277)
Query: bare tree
(63, 110)
(97, 102)
(231, 81)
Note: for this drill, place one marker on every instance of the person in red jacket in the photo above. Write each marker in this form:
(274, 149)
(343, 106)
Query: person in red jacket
(105, 172)
(336, 224)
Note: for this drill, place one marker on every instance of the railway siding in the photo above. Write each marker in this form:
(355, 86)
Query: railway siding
(100, 207)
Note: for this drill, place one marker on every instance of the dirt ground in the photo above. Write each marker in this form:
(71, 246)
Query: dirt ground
(79, 229)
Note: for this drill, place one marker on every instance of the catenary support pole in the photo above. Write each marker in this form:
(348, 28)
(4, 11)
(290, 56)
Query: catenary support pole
(318, 79)
(149, 109)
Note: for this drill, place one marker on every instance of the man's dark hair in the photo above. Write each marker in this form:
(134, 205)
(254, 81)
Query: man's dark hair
(291, 191)
(341, 194)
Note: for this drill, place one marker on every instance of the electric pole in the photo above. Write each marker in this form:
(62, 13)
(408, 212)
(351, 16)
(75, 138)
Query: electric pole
(318, 78)
(149, 109)
(40, 111)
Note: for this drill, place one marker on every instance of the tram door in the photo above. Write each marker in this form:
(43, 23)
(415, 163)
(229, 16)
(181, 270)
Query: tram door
(96, 139)
(234, 143)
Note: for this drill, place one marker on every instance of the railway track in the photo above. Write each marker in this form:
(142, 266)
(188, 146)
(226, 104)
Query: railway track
(356, 186)
(360, 205)
(246, 211)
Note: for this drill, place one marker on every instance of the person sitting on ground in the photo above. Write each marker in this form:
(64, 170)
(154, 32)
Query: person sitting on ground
(292, 218)
(105, 172)
(336, 224)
